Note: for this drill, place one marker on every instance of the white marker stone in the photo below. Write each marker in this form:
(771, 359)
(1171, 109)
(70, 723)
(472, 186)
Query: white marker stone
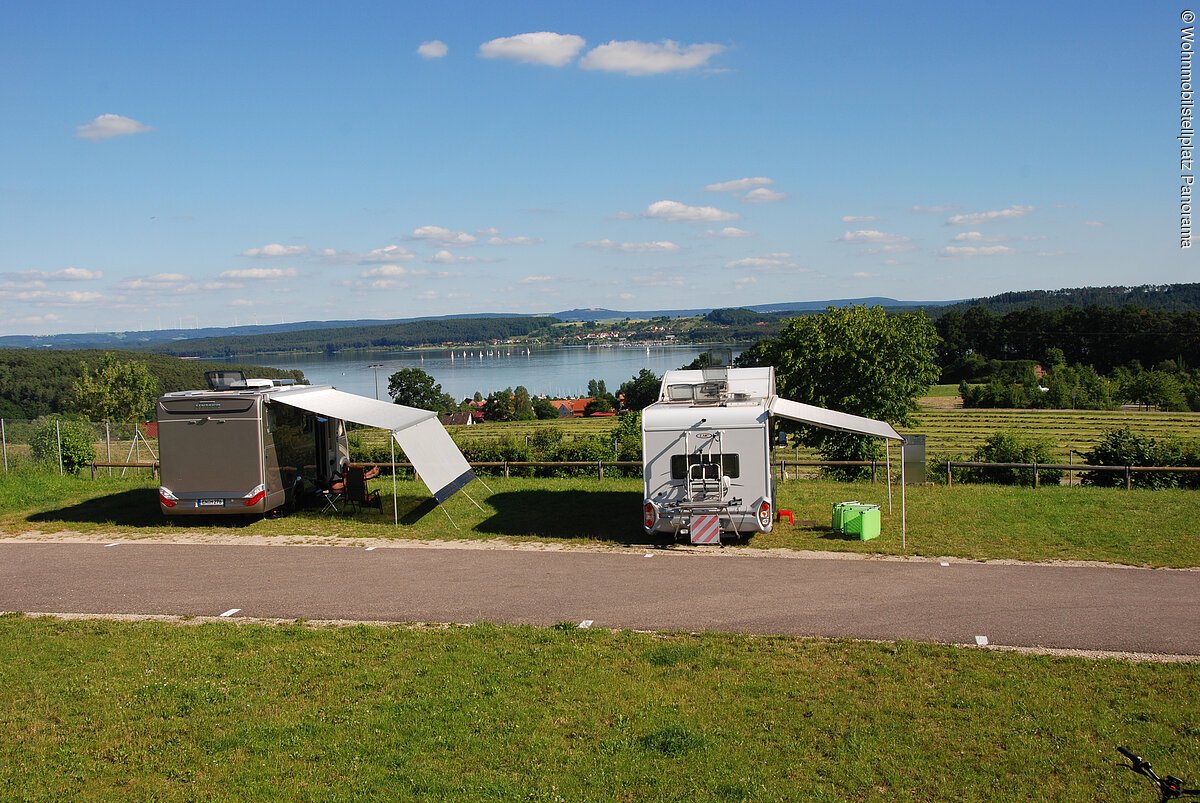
(585, 624)
(230, 612)
(981, 641)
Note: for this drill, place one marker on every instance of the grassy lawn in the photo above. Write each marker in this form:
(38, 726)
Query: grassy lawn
(102, 710)
(1153, 528)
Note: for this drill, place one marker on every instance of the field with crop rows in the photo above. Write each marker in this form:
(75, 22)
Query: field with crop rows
(953, 433)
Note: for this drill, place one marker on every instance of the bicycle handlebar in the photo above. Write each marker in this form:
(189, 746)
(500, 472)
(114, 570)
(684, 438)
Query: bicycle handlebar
(1169, 787)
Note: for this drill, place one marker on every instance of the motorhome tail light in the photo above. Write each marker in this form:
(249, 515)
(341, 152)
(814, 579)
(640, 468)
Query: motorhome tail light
(255, 496)
(764, 513)
(649, 515)
(167, 498)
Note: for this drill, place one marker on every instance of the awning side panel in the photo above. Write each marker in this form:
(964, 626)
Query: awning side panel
(436, 458)
(349, 407)
(832, 419)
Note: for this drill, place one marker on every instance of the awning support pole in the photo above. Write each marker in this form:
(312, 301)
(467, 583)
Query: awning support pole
(395, 501)
(903, 509)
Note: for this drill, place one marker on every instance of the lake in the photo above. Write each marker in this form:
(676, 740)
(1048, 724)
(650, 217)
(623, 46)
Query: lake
(556, 371)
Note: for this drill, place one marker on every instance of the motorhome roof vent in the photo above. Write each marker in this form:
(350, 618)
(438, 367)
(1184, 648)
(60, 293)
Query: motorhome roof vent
(679, 393)
(257, 383)
(709, 391)
(225, 380)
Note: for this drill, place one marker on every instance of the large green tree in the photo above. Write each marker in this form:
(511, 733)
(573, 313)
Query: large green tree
(641, 391)
(858, 360)
(116, 390)
(413, 387)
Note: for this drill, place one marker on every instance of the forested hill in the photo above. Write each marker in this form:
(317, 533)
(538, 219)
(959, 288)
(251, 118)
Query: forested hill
(393, 335)
(1150, 297)
(35, 382)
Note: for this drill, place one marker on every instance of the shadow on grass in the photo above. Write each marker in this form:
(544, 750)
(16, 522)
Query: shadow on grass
(133, 508)
(602, 515)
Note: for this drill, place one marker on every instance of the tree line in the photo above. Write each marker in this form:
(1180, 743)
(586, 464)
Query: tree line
(442, 331)
(36, 383)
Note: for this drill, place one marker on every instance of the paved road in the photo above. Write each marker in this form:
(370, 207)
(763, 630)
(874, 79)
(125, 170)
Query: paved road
(1093, 608)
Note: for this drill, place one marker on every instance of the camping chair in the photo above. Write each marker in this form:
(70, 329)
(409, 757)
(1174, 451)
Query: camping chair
(356, 491)
(333, 493)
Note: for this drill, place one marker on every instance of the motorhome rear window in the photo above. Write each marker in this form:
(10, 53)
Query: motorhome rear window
(680, 462)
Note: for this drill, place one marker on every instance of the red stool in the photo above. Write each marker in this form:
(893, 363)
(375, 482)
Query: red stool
(785, 514)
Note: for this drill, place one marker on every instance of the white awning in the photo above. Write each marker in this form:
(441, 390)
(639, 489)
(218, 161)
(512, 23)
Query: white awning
(424, 440)
(832, 419)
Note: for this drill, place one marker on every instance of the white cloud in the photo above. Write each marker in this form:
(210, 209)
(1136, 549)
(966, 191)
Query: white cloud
(864, 275)
(159, 282)
(389, 271)
(433, 49)
(609, 245)
(388, 253)
(46, 297)
(648, 58)
(444, 257)
(537, 279)
(443, 236)
(241, 302)
(107, 126)
(276, 250)
(264, 274)
(779, 262)
(975, 218)
(728, 231)
(976, 237)
(859, 218)
(518, 240)
(975, 250)
(542, 47)
(872, 236)
(674, 211)
(740, 184)
(763, 196)
(1096, 224)
(64, 275)
(743, 281)
(940, 209)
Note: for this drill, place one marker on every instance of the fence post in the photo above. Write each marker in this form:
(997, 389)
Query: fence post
(874, 467)
(108, 445)
(1035, 475)
(505, 469)
(600, 466)
(4, 440)
(1128, 479)
(58, 434)
(949, 476)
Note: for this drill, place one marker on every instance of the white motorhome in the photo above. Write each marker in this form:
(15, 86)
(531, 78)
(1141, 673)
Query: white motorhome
(244, 445)
(706, 446)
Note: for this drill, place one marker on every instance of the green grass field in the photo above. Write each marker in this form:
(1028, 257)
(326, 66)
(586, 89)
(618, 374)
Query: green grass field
(98, 710)
(1140, 527)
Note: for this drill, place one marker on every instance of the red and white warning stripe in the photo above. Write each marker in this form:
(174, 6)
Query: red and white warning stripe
(706, 530)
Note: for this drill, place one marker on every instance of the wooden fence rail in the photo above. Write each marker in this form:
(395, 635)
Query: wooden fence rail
(1129, 471)
(506, 467)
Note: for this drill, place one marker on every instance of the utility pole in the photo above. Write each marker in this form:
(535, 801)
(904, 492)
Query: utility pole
(376, 366)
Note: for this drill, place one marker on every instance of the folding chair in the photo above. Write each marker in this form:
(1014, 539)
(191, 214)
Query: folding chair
(357, 493)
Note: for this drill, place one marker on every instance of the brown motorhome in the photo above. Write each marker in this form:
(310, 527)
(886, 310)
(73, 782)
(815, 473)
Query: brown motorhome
(230, 450)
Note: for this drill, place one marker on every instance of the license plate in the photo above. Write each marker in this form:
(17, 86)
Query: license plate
(210, 503)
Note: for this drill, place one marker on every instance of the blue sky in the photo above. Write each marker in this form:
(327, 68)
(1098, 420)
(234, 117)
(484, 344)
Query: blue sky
(202, 164)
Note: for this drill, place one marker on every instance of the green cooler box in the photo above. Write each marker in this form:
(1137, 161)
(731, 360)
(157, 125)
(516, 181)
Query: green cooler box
(839, 514)
(861, 520)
